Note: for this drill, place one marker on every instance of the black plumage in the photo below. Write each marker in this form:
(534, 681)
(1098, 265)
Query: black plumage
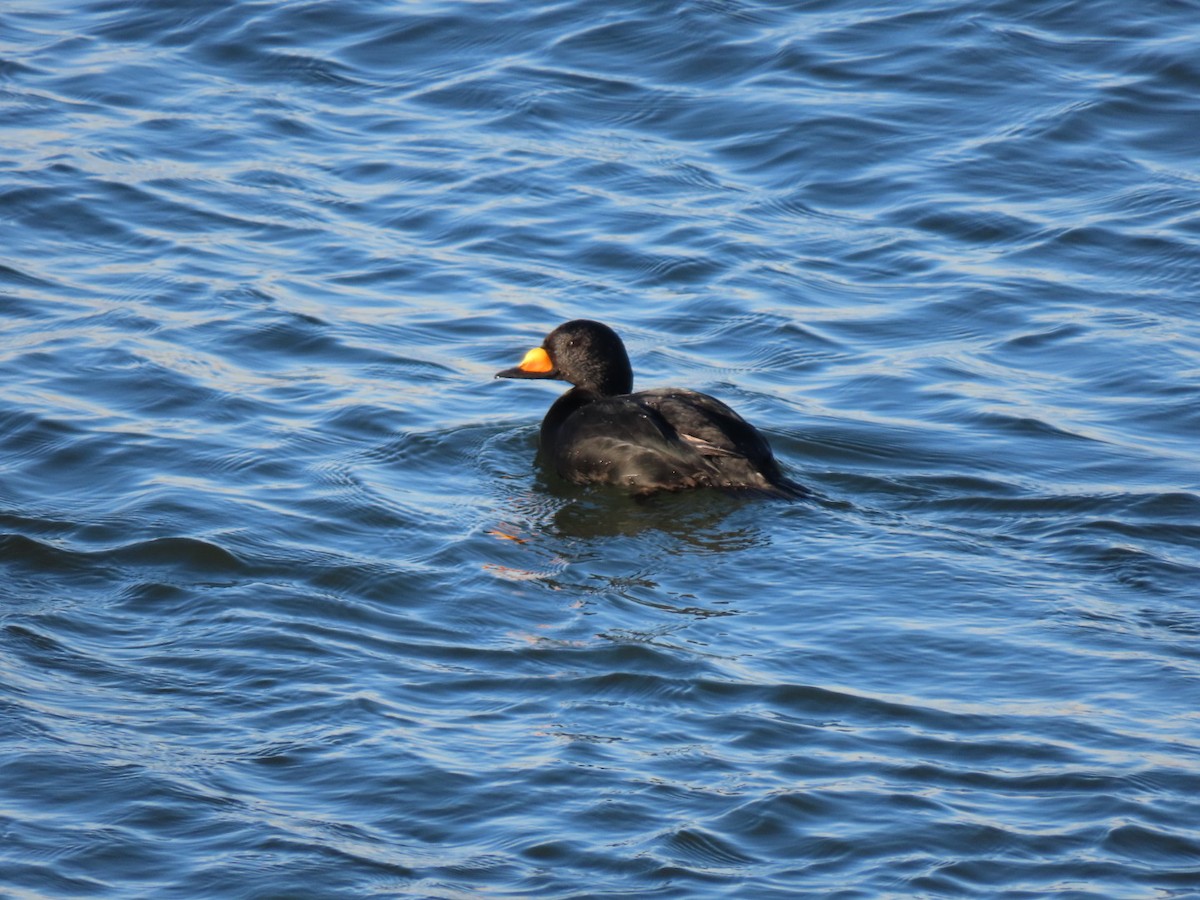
(666, 439)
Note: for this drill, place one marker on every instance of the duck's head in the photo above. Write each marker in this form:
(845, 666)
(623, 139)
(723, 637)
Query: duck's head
(585, 353)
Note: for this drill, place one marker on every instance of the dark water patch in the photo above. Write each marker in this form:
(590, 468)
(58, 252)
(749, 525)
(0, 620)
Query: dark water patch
(31, 555)
(1139, 569)
(178, 553)
(970, 226)
(1156, 847)
(58, 211)
(10, 70)
(21, 279)
(29, 434)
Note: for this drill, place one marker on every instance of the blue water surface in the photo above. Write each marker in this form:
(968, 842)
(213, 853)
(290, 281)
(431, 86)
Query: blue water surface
(287, 609)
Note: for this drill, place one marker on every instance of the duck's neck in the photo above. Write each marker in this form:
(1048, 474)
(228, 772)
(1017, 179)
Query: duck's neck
(562, 409)
(617, 378)
(611, 377)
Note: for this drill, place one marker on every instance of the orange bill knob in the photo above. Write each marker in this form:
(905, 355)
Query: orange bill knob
(536, 361)
(536, 364)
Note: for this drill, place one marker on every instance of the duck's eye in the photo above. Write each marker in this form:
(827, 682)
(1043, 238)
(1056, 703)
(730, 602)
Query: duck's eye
(572, 342)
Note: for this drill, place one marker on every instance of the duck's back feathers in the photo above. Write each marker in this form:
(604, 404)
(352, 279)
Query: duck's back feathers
(665, 439)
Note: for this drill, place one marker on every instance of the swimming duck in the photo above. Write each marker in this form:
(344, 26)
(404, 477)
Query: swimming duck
(665, 439)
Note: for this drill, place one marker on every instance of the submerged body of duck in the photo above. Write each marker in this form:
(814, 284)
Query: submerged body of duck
(666, 439)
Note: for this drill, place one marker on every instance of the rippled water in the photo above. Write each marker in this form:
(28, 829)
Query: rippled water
(288, 610)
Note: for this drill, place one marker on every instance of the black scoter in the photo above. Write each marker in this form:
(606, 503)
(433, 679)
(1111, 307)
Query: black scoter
(665, 439)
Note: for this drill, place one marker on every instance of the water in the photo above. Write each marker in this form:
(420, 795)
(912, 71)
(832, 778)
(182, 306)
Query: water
(287, 609)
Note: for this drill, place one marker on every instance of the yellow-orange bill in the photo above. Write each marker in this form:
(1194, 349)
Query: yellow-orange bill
(536, 360)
